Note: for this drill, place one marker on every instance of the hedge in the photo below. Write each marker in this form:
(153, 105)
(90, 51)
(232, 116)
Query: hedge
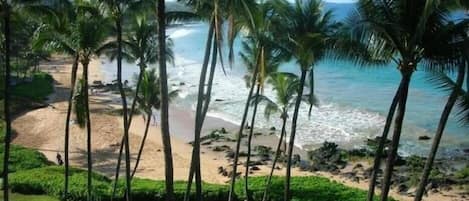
(38, 89)
(22, 158)
(49, 180)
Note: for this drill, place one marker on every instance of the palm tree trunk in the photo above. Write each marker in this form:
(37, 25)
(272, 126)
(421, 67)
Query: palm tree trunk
(277, 155)
(291, 143)
(121, 149)
(142, 144)
(396, 135)
(240, 133)
(164, 102)
(124, 109)
(382, 141)
(6, 103)
(88, 128)
(251, 132)
(67, 124)
(198, 114)
(439, 133)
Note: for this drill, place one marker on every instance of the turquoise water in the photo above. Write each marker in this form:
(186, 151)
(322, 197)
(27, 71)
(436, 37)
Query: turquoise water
(353, 99)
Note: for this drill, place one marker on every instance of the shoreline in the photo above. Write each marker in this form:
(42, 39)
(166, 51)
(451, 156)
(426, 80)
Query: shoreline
(47, 137)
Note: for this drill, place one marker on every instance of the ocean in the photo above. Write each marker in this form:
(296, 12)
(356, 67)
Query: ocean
(354, 100)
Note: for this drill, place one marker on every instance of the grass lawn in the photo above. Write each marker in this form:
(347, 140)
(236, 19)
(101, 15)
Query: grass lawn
(21, 197)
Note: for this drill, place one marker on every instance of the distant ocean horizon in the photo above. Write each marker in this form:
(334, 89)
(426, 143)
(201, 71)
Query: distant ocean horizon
(354, 100)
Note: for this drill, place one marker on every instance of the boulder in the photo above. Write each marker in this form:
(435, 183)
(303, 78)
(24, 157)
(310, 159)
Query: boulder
(424, 137)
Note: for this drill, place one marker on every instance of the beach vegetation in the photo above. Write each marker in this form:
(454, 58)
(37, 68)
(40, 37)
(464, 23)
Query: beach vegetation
(22, 158)
(49, 181)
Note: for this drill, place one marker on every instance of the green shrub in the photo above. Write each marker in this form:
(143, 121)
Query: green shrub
(49, 180)
(463, 173)
(308, 188)
(38, 89)
(22, 158)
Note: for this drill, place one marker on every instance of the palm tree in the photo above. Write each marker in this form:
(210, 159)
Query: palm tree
(213, 11)
(396, 31)
(285, 85)
(309, 31)
(266, 57)
(452, 44)
(6, 103)
(54, 35)
(90, 31)
(148, 99)
(169, 179)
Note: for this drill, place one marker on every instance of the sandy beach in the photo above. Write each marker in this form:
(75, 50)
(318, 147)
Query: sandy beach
(43, 129)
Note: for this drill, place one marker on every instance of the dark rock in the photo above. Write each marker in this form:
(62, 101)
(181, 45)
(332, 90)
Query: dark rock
(206, 143)
(222, 148)
(402, 189)
(424, 137)
(255, 168)
(223, 130)
(230, 154)
(182, 83)
(304, 165)
(358, 166)
(272, 128)
(466, 151)
(218, 100)
(257, 134)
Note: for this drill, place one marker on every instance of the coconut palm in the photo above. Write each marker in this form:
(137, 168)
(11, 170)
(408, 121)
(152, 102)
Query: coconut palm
(309, 31)
(284, 85)
(90, 31)
(148, 99)
(54, 35)
(169, 178)
(6, 12)
(213, 12)
(451, 44)
(264, 56)
(396, 31)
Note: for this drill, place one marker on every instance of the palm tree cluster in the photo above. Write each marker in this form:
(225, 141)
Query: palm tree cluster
(412, 34)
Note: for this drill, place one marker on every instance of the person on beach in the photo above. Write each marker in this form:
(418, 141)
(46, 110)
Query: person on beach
(59, 159)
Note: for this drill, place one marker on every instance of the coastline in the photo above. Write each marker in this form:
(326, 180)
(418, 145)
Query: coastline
(47, 137)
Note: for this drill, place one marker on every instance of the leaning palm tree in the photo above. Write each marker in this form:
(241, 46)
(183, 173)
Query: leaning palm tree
(148, 99)
(6, 12)
(309, 31)
(451, 44)
(396, 31)
(284, 85)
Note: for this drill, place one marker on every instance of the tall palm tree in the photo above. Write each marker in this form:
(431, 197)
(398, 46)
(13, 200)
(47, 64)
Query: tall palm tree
(309, 31)
(396, 31)
(169, 178)
(148, 99)
(116, 10)
(265, 56)
(91, 31)
(6, 9)
(211, 10)
(140, 44)
(451, 44)
(54, 35)
(284, 85)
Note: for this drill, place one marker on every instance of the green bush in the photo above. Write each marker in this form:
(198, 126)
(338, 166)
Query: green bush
(38, 89)
(22, 158)
(308, 188)
(463, 173)
(49, 180)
